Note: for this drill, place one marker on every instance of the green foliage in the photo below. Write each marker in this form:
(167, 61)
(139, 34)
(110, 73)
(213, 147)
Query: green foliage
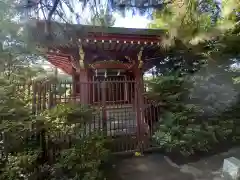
(16, 54)
(168, 90)
(15, 120)
(194, 22)
(82, 162)
(82, 159)
(53, 145)
(20, 166)
(11, 107)
(191, 121)
(197, 30)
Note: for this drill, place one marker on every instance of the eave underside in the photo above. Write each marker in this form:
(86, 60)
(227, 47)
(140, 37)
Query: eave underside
(98, 43)
(102, 50)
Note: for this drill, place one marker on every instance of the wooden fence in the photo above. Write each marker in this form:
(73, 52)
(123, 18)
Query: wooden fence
(117, 118)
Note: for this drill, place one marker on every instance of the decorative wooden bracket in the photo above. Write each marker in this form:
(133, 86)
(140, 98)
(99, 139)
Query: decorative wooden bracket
(73, 62)
(81, 57)
(128, 58)
(140, 58)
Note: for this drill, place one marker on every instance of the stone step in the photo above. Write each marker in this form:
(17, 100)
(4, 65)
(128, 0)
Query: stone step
(231, 169)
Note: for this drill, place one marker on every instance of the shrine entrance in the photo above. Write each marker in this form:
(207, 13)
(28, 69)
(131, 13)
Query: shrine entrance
(120, 114)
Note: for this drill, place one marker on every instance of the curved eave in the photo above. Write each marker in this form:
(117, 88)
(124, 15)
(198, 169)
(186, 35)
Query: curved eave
(61, 62)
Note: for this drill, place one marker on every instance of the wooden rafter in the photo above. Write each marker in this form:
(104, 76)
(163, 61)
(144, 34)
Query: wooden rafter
(62, 62)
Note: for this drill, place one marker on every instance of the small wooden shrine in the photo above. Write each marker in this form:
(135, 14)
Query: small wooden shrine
(116, 57)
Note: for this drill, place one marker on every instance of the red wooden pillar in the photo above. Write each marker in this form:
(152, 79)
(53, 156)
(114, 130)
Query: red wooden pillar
(74, 84)
(139, 104)
(84, 86)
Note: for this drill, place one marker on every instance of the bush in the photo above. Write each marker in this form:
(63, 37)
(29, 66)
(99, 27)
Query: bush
(81, 155)
(53, 145)
(186, 133)
(186, 124)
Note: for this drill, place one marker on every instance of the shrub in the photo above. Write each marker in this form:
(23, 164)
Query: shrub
(186, 133)
(15, 120)
(82, 153)
(186, 124)
(52, 145)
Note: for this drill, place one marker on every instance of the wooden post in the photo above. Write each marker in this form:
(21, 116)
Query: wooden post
(74, 86)
(84, 86)
(83, 78)
(103, 103)
(140, 104)
(34, 98)
(140, 99)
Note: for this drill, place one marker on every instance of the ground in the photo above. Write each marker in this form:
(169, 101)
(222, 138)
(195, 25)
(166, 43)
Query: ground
(159, 167)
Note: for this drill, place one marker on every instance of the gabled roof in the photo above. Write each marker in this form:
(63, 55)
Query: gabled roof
(102, 41)
(67, 33)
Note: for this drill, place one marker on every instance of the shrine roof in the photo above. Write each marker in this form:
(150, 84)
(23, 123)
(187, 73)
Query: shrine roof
(62, 44)
(69, 33)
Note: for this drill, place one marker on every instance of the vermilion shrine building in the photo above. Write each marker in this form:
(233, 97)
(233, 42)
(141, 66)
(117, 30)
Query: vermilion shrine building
(106, 65)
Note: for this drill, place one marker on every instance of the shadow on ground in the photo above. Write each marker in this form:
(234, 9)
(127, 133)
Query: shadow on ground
(159, 167)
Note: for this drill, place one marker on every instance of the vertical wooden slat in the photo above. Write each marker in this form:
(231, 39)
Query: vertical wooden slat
(34, 98)
(44, 94)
